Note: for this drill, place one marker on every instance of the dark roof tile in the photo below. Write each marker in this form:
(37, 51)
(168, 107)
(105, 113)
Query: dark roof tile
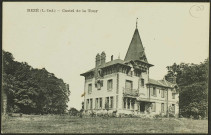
(163, 83)
(136, 49)
(113, 62)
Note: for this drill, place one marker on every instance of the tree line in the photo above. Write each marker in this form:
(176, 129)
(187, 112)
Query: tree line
(30, 90)
(192, 80)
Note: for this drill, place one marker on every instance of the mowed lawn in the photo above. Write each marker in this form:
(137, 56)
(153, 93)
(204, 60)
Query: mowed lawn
(68, 124)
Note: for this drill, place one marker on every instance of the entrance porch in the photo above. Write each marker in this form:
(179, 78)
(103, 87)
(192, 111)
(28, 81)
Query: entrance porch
(132, 106)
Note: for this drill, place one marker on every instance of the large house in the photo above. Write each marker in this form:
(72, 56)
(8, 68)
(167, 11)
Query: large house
(124, 86)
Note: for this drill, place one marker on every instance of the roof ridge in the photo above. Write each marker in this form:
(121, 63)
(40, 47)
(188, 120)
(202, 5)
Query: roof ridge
(160, 82)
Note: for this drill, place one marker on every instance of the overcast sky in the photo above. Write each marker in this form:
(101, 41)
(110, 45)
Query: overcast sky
(66, 43)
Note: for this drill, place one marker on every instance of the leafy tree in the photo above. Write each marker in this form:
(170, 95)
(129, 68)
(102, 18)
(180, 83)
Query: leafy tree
(31, 90)
(192, 80)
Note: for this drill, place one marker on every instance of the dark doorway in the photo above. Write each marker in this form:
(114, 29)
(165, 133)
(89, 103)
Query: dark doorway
(142, 106)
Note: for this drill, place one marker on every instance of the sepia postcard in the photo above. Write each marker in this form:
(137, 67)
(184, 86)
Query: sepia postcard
(105, 67)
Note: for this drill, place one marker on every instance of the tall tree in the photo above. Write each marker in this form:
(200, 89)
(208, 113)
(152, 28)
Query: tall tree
(192, 80)
(30, 90)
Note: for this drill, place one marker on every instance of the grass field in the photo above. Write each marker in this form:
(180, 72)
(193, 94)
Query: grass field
(68, 124)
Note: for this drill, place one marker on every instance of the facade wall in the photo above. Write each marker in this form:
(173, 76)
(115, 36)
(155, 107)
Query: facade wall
(143, 90)
(122, 80)
(158, 99)
(119, 81)
(103, 92)
(136, 81)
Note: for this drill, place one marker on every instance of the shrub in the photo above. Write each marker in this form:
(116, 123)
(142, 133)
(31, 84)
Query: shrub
(73, 112)
(157, 116)
(92, 114)
(171, 114)
(114, 113)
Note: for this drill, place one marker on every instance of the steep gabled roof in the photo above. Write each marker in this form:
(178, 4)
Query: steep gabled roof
(136, 49)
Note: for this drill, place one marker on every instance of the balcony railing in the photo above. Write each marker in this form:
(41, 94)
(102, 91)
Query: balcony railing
(130, 92)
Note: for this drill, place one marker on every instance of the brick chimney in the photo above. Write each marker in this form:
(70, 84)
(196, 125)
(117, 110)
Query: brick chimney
(97, 60)
(103, 57)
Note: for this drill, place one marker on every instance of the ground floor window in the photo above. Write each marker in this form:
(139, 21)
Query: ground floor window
(173, 108)
(162, 107)
(101, 102)
(117, 99)
(142, 106)
(87, 104)
(153, 107)
(132, 104)
(96, 103)
(91, 103)
(128, 103)
(109, 102)
(124, 100)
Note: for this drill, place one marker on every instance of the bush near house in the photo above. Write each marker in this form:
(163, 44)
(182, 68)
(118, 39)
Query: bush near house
(73, 112)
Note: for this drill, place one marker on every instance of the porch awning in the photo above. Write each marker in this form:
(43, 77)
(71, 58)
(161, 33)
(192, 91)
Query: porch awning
(144, 99)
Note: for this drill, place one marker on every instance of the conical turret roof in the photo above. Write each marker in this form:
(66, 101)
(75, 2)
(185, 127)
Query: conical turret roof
(136, 49)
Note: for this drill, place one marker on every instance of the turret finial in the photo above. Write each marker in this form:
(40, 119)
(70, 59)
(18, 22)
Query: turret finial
(136, 22)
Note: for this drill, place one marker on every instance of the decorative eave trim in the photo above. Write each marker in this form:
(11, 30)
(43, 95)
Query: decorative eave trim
(84, 74)
(150, 65)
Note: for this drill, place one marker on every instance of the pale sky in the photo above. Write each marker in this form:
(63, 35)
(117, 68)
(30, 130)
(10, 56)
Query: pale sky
(66, 43)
